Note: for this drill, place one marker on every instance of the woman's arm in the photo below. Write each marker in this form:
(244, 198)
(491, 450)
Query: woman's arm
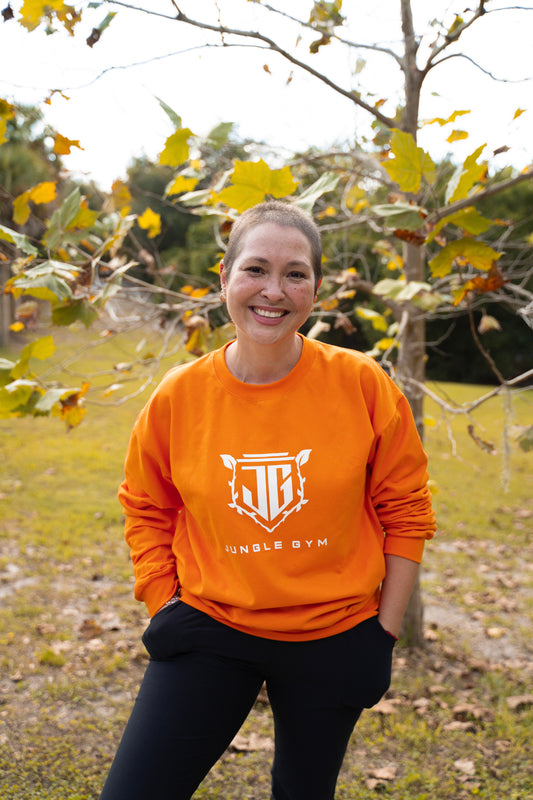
(397, 587)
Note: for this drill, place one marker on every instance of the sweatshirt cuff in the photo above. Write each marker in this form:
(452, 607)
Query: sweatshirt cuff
(409, 547)
(156, 593)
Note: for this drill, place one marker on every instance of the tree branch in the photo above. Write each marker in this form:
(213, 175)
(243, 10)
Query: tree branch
(271, 45)
(441, 213)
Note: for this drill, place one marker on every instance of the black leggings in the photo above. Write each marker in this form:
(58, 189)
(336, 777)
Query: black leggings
(202, 680)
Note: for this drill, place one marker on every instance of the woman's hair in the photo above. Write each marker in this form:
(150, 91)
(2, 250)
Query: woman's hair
(278, 213)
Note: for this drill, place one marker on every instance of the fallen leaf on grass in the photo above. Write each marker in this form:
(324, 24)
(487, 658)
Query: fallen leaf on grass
(254, 742)
(465, 765)
(388, 773)
(90, 629)
(495, 633)
(387, 706)
(464, 727)
(519, 701)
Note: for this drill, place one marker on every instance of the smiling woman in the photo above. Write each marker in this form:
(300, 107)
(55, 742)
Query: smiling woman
(276, 508)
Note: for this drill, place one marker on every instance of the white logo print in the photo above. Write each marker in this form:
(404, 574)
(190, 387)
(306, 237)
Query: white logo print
(267, 486)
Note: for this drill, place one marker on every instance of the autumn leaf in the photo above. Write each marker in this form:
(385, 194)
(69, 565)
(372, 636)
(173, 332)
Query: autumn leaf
(480, 255)
(466, 176)
(19, 240)
(33, 12)
(63, 146)
(410, 163)
(253, 181)
(181, 184)
(150, 221)
(120, 199)
(519, 112)
(42, 193)
(176, 149)
(468, 219)
(440, 121)
(377, 320)
(456, 136)
(6, 112)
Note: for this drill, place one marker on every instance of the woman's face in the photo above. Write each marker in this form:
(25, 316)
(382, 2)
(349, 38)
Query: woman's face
(270, 288)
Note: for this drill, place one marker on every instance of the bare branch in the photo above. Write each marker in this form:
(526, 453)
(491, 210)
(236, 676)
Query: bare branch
(271, 45)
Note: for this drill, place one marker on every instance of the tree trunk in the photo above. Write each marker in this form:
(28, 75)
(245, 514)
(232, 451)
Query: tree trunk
(411, 366)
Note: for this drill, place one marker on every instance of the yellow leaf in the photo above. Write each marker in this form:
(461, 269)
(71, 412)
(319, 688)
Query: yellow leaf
(121, 198)
(253, 181)
(466, 176)
(151, 222)
(34, 11)
(176, 150)
(329, 303)
(199, 292)
(3, 130)
(410, 163)
(216, 268)
(85, 218)
(16, 326)
(63, 146)
(440, 121)
(378, 321)
(386, 343)
(182, 184)
(474, 252)
(456, 136)
(42, 193)
(519, 112)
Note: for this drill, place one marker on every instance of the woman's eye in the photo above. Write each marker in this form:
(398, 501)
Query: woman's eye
(297, 274)
(254, 270)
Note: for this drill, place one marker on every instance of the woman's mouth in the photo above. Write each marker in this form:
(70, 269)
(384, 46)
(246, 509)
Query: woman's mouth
(270, 314)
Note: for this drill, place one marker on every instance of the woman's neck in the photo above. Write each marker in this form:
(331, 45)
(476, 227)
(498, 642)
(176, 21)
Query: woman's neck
(262, 364)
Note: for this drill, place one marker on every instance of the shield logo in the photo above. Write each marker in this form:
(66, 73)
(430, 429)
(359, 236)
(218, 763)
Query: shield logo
(267, 486)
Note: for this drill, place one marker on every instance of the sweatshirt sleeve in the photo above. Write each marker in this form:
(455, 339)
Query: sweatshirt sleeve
(398, 485)
(151, 503)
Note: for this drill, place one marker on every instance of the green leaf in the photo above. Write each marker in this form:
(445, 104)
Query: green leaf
(176, 150)
(41, 349)
(326, 183)
(465, 177)
(6, 367)
(19, 240)
(219, 135)
(410, 163)
(79, 310)
(16, 396)
(401, 215)
(45, 282)
(525, 439)
(476, 253)
(171, 114)
(61, 219)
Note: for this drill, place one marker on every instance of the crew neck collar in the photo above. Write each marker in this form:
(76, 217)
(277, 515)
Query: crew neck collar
(234, 385)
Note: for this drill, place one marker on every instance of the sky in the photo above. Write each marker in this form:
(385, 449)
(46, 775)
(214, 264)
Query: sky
(113, 88)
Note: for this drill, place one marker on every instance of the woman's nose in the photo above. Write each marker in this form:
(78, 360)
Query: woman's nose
(272, 288)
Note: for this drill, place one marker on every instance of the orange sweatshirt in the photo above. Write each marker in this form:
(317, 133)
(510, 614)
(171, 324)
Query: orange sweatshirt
(271, 506)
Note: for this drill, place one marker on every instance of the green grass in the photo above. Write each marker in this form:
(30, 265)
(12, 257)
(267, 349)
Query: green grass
(70, 652)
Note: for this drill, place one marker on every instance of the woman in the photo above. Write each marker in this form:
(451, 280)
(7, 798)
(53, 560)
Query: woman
(276, 510)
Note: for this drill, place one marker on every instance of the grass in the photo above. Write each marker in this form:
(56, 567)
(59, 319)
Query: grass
(70, 652)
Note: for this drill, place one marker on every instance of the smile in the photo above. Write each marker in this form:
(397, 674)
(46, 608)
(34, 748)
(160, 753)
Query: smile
(261, 312)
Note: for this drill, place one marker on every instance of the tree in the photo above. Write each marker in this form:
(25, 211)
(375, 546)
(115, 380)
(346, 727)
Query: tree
(431, 229)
